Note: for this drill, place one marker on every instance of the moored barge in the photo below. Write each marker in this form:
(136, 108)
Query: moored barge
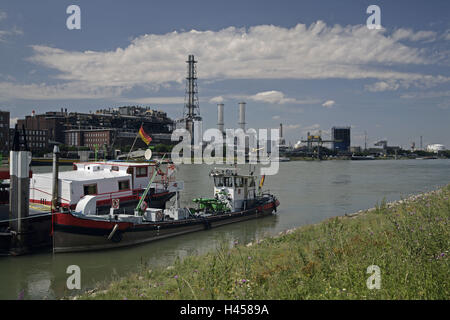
(236, 199)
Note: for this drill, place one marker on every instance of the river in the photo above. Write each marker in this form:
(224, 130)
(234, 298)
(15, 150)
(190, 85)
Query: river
(309, 191)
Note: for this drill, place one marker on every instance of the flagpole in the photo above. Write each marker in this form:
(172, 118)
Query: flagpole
(134, 141)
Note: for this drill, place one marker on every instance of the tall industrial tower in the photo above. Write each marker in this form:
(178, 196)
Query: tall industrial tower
(191, 113)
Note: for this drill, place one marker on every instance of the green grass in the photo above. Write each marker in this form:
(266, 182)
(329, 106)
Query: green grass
(329, 260)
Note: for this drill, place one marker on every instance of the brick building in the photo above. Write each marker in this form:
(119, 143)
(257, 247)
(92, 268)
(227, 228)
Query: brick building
(43, 130)
(89, 137)
(113, 127)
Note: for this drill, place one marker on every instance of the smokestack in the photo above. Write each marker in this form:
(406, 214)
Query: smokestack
(191, 84)
(242, 115)
(281, 131)
(220, 117)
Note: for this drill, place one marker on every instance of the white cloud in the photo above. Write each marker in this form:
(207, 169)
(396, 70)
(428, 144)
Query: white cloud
(393, 85)
(3, 15)
(408, 34)
(291, 126)
(43, 91)
(156, 100)
(446, 35)
(276, 117)
(389, 85)
(328, 103)
(273, 97)
(277, 97)
(218, 99)
(312, 127)
(7, 33)
(316, 51)
(261, 52)
(426, 95)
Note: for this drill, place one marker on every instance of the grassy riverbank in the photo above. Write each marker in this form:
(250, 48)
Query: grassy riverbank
(408, 240)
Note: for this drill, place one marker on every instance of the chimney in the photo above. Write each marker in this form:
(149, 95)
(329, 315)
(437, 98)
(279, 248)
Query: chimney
(242, 115)
(220, 123)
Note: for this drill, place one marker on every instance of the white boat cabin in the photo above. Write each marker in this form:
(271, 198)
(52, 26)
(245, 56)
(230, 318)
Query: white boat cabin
(240, 189)
(105, 180)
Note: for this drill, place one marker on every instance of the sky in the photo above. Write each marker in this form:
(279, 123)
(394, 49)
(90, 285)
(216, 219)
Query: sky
(307, 64)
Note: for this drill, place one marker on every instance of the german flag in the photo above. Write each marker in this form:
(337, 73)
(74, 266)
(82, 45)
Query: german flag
(145, 137)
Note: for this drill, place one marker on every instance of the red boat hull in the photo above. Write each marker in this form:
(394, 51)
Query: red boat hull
(77, 233)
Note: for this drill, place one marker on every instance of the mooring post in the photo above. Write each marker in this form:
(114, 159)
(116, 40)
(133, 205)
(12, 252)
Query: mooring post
(55, 202)
(19, 200)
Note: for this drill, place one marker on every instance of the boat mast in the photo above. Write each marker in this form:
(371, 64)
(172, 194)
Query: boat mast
(141, 200)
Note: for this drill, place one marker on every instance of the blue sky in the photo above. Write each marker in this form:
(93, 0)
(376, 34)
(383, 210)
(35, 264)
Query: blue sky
(308, 64)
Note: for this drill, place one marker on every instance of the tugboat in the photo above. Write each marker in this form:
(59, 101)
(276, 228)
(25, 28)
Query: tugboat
(235, 199)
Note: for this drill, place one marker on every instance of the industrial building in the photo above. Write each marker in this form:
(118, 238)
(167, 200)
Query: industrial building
(341, 139)
(435, 148)
(111, 127)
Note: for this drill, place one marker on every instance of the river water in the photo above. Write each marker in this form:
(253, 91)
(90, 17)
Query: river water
(309, 191)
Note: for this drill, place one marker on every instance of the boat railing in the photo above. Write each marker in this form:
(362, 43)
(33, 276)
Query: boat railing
(266, 192)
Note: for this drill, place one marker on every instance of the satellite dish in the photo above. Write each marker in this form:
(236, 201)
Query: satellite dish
(148, 154)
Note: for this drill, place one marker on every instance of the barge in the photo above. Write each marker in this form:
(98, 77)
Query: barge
(236, 199)
(108, 181)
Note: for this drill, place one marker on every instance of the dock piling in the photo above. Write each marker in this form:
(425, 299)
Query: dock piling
(19, 199)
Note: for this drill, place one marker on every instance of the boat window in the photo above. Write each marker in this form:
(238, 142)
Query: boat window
(130, 170)
(141, 171)
(238, 182)
(218, 181)
(252, 182)
(90, 189)
(124, 185)
(228, 182)
(115, 168)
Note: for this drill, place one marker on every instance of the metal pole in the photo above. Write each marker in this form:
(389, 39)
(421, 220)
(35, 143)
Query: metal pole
(142, 199)
(365, 140)
(134, 142)
(55, 202)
